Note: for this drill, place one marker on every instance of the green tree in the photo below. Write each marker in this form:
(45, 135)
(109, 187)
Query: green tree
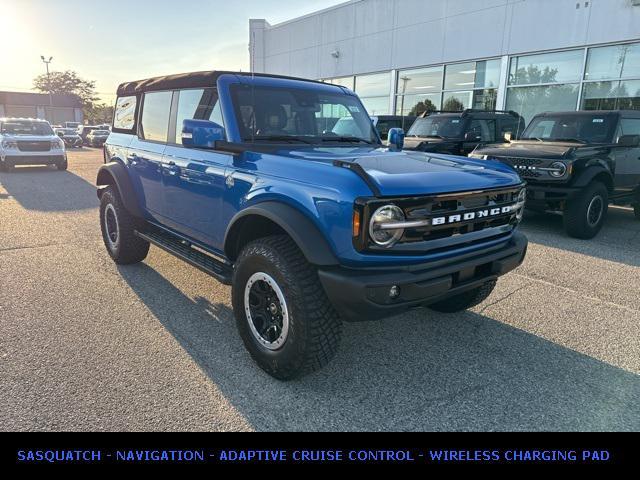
(421, 107)
(453, 104)
(69, 83)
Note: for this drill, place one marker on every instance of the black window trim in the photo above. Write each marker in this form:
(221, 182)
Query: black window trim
(133, 130)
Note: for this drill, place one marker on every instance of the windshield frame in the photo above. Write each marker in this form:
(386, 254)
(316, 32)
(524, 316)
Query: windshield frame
(320, 139)
(585, 117)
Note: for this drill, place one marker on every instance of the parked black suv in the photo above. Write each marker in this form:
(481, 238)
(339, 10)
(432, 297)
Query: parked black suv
(459, 133)
(577, 163)
(384, 123)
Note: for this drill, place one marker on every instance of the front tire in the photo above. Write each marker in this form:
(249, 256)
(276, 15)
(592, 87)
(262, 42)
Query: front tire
(62, 165)
(118, 230)
(584, 215)
(636, 210)
(465, 300)
(282, 312)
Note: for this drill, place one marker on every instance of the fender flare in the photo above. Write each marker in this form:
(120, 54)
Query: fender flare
(585, 177)
(114, 173)
(309, 239)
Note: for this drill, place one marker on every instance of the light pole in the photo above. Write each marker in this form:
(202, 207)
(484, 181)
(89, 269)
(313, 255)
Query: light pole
(404, 79)
(47, 62)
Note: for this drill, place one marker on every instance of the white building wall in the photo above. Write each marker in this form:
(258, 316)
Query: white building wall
(381, 35)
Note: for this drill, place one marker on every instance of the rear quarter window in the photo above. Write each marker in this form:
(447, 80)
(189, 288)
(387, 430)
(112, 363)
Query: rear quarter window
(125, 114)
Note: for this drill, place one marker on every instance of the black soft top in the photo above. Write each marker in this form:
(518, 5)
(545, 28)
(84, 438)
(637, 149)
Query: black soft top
(186, 80)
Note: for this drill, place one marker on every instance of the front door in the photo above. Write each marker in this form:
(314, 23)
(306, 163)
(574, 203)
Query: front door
(194, 179)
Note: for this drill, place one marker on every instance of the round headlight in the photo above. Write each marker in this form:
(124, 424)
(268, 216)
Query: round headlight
(559, 169)
(386, 237)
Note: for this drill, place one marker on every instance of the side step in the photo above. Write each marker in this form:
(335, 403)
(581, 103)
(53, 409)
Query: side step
(189, 253)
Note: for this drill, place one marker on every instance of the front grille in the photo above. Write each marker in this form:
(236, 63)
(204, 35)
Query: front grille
(34, 146)
(451, 216)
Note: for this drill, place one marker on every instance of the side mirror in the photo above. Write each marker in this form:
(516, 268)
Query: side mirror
(60, 134)
(201, 133)
(629, 141)
(395, 138)
(472, 137)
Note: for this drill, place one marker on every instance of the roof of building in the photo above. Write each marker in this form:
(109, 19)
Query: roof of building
(186, 80)
(37, 99)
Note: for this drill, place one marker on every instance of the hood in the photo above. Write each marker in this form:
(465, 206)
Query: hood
(408, 173)
(529, 149)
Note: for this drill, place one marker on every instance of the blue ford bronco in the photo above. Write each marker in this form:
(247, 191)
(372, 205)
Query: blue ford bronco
(243, 177)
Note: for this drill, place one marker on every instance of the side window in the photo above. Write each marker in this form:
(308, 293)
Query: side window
(198, 104)
(485, 129)
(628, 126)
(508, 125)
(125, 114)
(155, 116)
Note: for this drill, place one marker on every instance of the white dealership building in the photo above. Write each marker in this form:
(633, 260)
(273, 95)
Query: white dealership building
(411, 55)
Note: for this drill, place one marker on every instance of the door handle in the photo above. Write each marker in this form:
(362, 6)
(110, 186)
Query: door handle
(132, 158)
(171, 167)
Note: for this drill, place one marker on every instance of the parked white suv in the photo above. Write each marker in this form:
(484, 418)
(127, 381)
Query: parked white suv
(27, 141)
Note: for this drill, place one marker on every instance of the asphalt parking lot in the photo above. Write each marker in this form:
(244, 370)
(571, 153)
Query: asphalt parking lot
(88, 345)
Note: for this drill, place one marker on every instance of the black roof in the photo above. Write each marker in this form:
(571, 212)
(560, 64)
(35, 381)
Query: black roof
(187, 80)
(469, 111)
(633, 113)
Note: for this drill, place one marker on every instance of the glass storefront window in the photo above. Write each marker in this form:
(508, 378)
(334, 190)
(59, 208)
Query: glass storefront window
(623, 95)
(343, 81)
(485, 99)
(487, 74)
(374, 85)
(457, 101)
(559, 67)
(423, 80)
(529, 101)
(460, 76)
(376, 105)
(414, 105)
(616, 61)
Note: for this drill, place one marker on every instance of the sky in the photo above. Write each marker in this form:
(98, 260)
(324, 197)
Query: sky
(114, 41)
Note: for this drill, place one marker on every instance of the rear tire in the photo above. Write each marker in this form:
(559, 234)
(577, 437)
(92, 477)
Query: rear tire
(636, 211)
(62, 165)
(118, 230)
(282, 312)
(584, 215)
(464, 300)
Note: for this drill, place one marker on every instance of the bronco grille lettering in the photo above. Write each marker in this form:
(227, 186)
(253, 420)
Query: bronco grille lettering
(457, 218)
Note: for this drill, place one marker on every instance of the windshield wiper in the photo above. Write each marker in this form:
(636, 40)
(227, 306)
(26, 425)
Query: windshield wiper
(346, 139)
(280, 138)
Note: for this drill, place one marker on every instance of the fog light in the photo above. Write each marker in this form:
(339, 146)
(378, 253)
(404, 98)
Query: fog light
(394, 292)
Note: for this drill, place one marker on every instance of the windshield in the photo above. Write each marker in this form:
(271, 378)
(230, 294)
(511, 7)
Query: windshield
(577, 128)
(445, 127)
(18, 127)
(301, 115)
(67, 131)
(100, 132)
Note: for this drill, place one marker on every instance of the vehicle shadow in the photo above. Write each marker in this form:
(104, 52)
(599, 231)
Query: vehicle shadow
(421, 371)
(618, 241)
(47, 189)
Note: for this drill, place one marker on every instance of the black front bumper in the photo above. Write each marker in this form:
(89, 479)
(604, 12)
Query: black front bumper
(544, 195)
(363, 294)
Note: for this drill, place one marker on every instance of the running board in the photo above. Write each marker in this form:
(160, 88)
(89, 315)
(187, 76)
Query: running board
(191, 254)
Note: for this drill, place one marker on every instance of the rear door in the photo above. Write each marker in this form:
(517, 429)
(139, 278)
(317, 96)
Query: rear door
(144, 158)
(627, 158)
(194, 179)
